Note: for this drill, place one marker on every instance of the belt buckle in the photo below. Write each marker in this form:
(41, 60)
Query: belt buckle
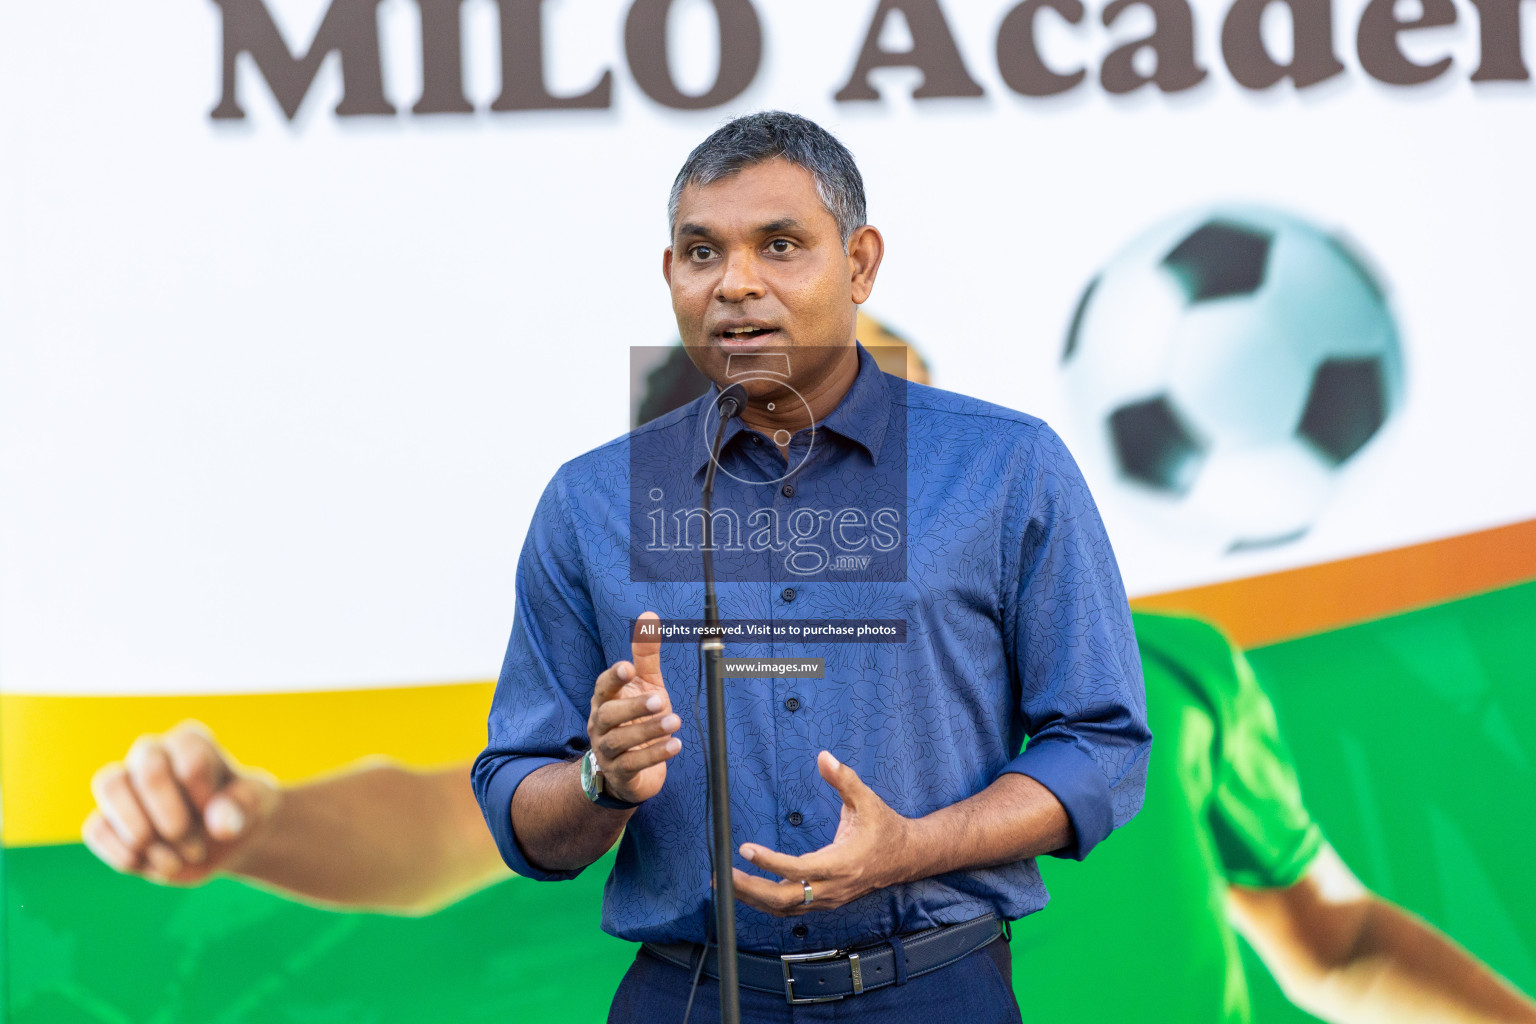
(789, 960)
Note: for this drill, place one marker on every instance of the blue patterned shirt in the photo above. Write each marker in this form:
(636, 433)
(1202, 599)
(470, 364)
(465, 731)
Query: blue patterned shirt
(967, 523)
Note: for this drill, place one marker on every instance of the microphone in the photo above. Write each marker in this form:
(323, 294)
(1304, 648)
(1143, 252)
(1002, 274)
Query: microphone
(731, 403)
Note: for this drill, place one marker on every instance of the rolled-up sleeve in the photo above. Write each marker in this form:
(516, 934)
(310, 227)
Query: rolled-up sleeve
(1073, 651)
(538, 715)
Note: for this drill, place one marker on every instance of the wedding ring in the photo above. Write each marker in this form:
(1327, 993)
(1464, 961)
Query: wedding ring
(808, 894)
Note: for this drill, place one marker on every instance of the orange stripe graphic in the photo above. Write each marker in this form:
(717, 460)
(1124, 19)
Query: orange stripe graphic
(1263, 610)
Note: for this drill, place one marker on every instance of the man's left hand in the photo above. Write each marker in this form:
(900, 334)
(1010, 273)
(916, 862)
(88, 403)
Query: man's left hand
(866, 854)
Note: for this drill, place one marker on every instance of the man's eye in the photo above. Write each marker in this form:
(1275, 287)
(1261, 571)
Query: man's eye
(781, 245)
(700, 252)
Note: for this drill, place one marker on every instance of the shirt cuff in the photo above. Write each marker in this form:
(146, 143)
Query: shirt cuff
(1075, 780)
(498, 814)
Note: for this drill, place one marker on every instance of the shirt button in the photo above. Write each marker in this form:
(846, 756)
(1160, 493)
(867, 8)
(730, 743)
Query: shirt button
(792, 704)
(789, 594)
(801, 931)
(788, 490)
(795, 818)
(757, 439)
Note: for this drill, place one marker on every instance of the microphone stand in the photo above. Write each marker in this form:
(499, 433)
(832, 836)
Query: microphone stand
(713, 647)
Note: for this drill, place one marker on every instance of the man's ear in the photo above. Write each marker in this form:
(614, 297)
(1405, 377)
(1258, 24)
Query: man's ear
(866, 248)
(666, 265)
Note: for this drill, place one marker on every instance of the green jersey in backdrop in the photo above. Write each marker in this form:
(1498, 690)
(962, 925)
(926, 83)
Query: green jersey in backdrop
(1145, 909)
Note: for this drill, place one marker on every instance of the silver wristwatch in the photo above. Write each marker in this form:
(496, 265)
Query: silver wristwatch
(592, 784)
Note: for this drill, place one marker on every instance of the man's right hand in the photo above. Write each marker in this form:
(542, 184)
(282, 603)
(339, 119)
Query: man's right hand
(177, 808)
(632, 724)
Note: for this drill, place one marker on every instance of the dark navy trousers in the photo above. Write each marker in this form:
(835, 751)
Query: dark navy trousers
(975, 990)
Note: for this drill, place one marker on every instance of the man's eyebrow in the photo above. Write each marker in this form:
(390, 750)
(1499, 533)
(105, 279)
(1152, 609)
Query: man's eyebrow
(692, 230)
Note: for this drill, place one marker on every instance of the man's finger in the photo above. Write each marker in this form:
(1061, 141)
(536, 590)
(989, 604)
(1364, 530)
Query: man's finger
(200, 766)
(163, 799)
(611, 682)
(842, 778)
(616, 712)
(102, 840)
(163, 860)
(235, 810)
(120, 806)
(632, 761)
(615, 742)
(782, 899)
(646, 654)
(823, 863)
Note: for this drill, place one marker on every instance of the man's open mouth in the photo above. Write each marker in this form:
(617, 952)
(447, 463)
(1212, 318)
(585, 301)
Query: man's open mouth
(747, 334)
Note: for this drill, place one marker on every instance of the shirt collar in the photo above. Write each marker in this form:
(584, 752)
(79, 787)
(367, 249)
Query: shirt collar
(861, 416)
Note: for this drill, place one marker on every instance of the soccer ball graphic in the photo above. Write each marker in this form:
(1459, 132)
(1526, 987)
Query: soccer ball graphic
(1227, 365)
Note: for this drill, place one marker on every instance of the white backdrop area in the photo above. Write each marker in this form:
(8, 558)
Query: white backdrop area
(277, 397)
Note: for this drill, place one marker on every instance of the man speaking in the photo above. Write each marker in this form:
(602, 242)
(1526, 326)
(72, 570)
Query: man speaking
(947, 561)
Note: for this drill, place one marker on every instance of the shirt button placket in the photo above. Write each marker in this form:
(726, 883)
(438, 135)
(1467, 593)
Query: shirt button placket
(787, 596)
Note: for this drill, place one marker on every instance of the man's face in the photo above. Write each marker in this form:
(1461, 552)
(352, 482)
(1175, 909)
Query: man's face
(755, 265)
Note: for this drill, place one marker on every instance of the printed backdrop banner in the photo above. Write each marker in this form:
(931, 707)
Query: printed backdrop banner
(304, 301)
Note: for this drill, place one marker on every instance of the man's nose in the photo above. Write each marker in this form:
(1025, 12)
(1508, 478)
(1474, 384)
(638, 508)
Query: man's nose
(740, 280)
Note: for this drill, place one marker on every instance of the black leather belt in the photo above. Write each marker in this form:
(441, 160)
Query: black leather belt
(839, 973)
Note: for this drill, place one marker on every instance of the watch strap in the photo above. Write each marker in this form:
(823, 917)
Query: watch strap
(592, 786)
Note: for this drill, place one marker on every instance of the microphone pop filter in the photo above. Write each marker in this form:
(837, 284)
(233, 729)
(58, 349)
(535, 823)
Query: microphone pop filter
(732, 401)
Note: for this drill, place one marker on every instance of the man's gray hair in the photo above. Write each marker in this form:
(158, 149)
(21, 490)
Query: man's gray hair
(763, 136)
